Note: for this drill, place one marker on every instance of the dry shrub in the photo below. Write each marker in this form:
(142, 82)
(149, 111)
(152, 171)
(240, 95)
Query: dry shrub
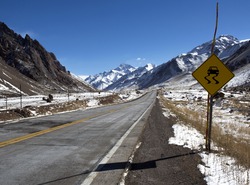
(237, 148)
(186, 115)
(109, 99)
(61, 107)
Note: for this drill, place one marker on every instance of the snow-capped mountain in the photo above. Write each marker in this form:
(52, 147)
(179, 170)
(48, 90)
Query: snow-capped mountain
(130, 80)
(226, 45)
(103, 80)
(238, 63)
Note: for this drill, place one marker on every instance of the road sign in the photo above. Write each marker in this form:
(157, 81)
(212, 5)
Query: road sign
(212, 74)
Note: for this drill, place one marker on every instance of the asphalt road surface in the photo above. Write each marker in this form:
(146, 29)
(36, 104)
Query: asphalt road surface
(68, 148)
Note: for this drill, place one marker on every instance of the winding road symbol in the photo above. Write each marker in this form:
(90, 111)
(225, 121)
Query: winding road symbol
(212, 73)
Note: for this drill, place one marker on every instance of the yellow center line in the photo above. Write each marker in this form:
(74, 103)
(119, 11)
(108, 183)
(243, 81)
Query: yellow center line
(29, 136)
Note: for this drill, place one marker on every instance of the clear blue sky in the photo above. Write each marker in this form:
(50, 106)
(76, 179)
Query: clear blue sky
(90, 36)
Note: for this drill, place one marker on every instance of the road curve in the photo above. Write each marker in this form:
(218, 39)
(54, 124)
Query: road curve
(64, 148)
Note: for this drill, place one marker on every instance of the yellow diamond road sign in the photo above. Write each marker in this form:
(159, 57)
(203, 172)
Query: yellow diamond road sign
(213, 74)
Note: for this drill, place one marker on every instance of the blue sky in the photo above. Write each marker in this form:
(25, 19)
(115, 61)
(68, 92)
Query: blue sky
(92, 36)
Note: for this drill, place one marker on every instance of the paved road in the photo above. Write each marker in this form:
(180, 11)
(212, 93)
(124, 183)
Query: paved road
(64, 148)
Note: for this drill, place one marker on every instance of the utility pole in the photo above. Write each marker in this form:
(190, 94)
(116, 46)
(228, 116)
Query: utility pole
(6, 102)
(68, 94)
(21, 106)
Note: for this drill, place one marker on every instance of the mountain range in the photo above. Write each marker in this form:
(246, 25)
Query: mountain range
(111, 80)
(104, 79)
(234, 52)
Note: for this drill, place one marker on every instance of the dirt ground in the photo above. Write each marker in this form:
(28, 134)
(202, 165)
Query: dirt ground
(49, 109)
(158, 163)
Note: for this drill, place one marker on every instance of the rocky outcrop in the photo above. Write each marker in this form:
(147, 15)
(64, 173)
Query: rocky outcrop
(31, 59)
(240, 58)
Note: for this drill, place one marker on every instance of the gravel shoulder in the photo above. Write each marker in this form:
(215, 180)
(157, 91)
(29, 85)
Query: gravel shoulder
(157, 162)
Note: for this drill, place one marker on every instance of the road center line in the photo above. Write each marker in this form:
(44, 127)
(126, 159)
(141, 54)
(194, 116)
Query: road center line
(42, 132)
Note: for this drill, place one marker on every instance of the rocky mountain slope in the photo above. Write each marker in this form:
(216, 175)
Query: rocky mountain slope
(239, 63)
(27, 59)
(240, 58)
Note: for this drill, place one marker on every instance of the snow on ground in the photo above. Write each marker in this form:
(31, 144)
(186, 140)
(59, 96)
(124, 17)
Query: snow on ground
(93, 103)
(217, 168)
(130, 95)
(5, 86)
(37, 100)
(225, 112)
(242, 76)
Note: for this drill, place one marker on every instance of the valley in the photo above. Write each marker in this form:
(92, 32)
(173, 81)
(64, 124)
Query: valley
(128, 125)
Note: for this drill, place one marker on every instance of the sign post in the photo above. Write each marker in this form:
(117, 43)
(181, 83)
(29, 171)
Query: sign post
(212, 75)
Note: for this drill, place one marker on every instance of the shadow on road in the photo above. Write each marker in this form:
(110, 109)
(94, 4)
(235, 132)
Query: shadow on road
(123, 165)
(137, 166)
(65, 178)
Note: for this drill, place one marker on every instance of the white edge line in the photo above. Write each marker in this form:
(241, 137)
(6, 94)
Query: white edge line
(93, 174)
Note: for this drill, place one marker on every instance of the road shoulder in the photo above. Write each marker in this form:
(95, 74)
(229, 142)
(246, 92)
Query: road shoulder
(157, 162)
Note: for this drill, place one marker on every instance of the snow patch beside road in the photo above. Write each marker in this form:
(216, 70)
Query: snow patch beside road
(217, 168)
